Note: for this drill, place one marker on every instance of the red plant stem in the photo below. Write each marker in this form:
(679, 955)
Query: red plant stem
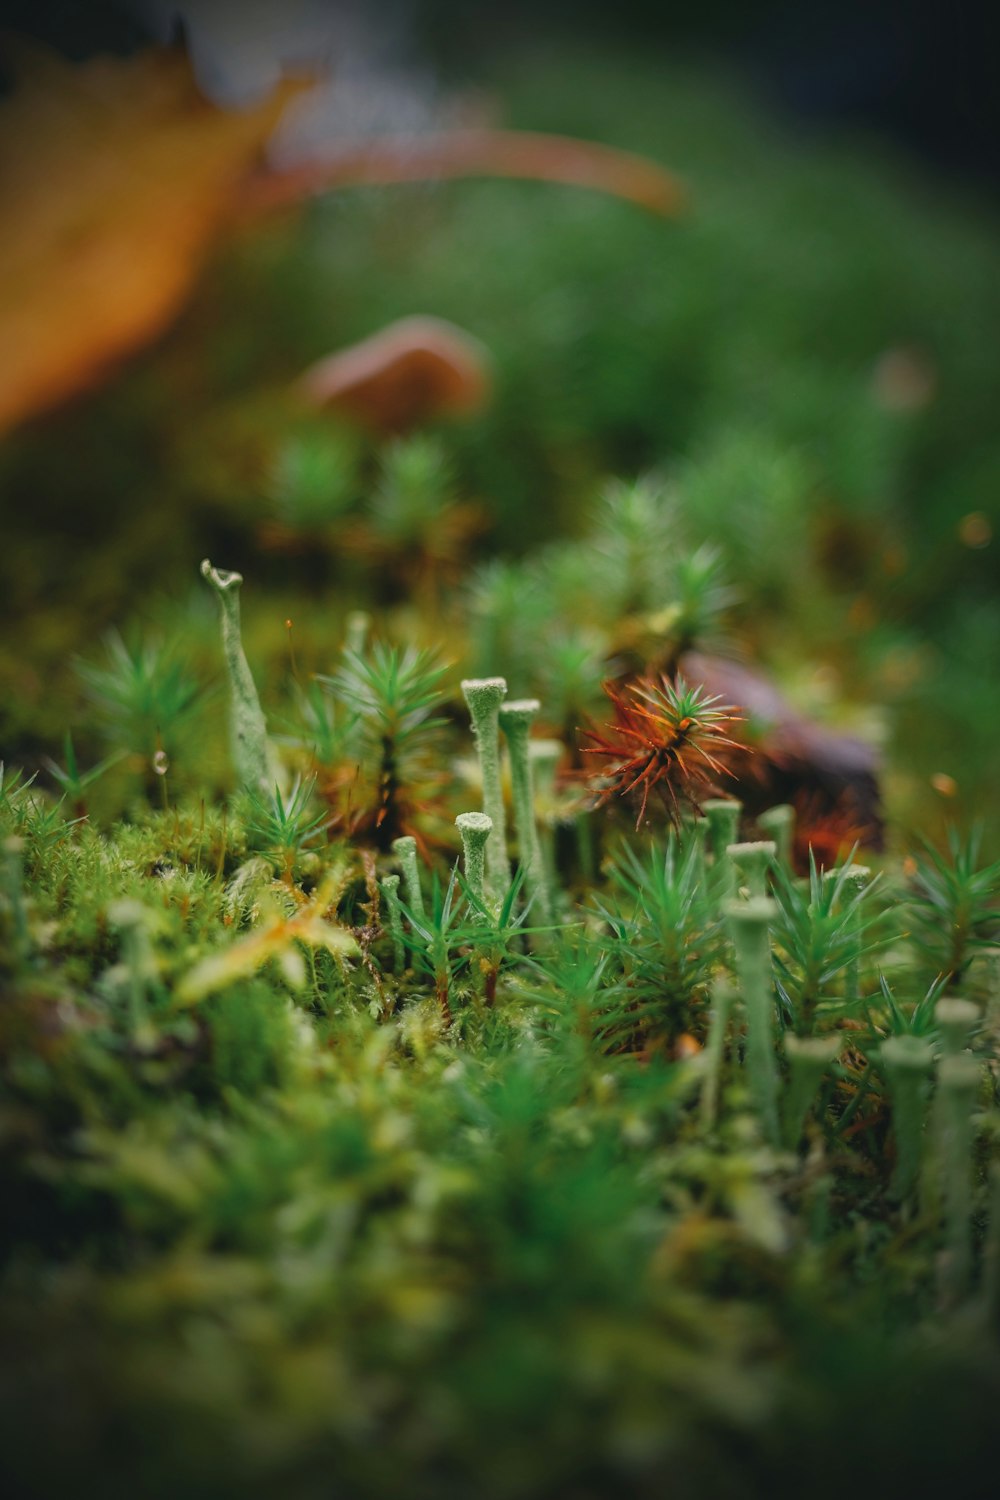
(473, 153)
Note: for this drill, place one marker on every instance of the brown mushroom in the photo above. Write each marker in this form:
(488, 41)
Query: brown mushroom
(412, 372)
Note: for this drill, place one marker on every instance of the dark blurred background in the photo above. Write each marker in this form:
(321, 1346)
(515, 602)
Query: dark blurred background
(924, 74)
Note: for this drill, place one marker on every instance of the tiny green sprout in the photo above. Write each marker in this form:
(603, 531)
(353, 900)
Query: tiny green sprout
(516, 719)
(953, 905)
(749, 924)
(283, 824)
(484, 696)
(778, 823)
(825, 925)
(313, 478)
(907, 1063)
(252, 757)
(753, 862)
(405, 850)
(475, 829)
(76, 783)
(143, 696)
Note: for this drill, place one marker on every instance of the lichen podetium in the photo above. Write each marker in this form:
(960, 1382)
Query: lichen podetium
(253, 762)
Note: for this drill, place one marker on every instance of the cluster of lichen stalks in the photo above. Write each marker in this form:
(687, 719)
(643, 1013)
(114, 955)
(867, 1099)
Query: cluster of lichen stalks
(484, 834)
(740, 874)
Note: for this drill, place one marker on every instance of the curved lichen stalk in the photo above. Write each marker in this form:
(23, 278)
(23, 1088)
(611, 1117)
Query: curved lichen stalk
(253, 760)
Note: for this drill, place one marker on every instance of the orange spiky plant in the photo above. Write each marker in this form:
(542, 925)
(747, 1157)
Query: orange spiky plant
(665, 735)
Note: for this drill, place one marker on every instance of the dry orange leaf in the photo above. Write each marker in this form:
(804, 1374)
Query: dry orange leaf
(115, 178)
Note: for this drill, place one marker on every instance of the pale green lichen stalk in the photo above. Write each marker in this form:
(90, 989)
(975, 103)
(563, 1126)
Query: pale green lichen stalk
(405, 850)
(809, 1058)
(753, 862)
(484, 696)
(907, 1062)
(749, 922)
(723, 817)
(778, 823)
(722, 814)
(956, 1020)
(516, 720)
(389, 886)
(475, 829)
(545, 757)
(252, 759)
(723, 996)
(958, 1081)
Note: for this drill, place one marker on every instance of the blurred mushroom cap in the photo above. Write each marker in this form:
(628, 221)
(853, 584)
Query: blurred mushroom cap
(414, 371)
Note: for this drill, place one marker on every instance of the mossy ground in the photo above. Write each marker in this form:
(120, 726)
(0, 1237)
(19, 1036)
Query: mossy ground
(284, 1229)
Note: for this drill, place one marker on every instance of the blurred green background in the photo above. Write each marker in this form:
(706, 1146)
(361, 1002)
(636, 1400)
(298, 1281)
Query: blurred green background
(807, 356)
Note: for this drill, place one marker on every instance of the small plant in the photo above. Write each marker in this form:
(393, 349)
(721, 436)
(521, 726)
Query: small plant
(319, 725)
(313, 479)
(665, 736)
(283, 825)
(74, 782)
(954, 904)
(144, 699)
(393, 693)
(416, 527)
(438, 939)
(634, 531)
(666, 937)
(821, 933)
(495, 931)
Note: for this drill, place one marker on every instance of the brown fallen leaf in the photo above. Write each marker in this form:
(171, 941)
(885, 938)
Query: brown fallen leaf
(413, 371)
(116, 179)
